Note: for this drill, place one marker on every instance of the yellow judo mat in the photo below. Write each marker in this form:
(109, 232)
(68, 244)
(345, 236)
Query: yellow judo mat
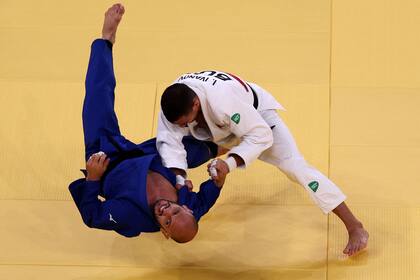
(346, 71)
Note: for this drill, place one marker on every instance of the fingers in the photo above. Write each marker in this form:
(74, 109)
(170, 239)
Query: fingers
(212, 169)
(217, 169)
(90, 159)
(107, 163)
(98, 158)
(210, 165)
(93, 159)
(189, 185)
(96, 166)
(101, 159)
(178, 186)
(213, 172)
(221, 168)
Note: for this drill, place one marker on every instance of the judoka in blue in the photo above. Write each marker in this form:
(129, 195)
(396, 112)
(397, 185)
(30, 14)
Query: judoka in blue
(139, 192)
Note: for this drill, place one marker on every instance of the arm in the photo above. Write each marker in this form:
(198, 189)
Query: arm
(170, 147)
(95, 213)
(113, 214)
(108, 215)
(200, 202)
(248, 125)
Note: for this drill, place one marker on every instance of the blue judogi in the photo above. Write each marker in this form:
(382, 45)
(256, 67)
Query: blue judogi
(125, 209)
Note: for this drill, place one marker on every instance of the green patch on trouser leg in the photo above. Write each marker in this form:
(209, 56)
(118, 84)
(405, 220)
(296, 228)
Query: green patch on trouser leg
(313, 186)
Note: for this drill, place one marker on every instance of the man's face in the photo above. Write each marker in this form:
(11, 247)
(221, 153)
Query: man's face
(184, 120)
(171, 216)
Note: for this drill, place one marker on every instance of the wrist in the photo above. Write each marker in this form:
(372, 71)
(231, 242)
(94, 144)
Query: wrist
(180, 180)
(231, 163)
(92, 178)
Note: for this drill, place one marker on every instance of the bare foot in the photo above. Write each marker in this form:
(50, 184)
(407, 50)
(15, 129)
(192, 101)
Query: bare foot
(112, 19)
(358, 239)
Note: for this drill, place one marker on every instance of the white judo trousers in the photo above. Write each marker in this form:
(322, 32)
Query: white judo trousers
(285, 155)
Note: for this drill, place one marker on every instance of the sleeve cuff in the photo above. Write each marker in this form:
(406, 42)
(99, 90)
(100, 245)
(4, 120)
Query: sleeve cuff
(212, 186)
(231, 162)
(178, 165)
(91, 185)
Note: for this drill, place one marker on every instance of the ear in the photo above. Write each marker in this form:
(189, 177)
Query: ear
(165, 233)
(188, 209)
(196, 102)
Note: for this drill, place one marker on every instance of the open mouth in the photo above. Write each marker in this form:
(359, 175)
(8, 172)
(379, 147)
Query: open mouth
(161, 205)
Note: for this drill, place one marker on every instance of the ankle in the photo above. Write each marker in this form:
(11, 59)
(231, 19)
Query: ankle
(354, 226)
(109, 39)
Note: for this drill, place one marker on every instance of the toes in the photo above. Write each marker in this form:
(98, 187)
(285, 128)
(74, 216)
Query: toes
(353, 250)
(120, 10)
(115, 12)
(356, 248)
(357, 242)
(347, 249)
(359, 248)
(114, 8)
(362, 245)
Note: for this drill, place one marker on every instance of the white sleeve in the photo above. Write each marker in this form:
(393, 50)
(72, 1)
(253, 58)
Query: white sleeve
(169, 144)
(248, 125)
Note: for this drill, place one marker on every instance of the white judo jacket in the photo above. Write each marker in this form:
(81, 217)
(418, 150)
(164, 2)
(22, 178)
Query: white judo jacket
(227, 103)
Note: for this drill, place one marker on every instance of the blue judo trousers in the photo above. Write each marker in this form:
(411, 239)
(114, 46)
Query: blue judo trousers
(125, 209)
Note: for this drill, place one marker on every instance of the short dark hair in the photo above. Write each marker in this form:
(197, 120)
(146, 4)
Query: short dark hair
(177, 101)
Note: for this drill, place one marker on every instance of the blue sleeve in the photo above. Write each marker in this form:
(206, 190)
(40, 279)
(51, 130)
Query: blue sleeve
(198, 152)
(114, 214)
(201, 202)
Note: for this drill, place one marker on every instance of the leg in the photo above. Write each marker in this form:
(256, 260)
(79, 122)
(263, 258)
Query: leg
(98, 115)
(285, 155)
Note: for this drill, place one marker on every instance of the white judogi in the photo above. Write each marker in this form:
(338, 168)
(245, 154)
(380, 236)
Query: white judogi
(227, 103)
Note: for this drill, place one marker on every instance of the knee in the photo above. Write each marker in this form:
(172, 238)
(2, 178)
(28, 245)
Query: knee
(293, 167)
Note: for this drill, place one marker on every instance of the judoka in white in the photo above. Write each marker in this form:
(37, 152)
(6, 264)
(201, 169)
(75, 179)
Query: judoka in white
(241, 116)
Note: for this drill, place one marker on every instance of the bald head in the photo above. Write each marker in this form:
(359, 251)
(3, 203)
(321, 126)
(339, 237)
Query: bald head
(185, 229)
(176, 221)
